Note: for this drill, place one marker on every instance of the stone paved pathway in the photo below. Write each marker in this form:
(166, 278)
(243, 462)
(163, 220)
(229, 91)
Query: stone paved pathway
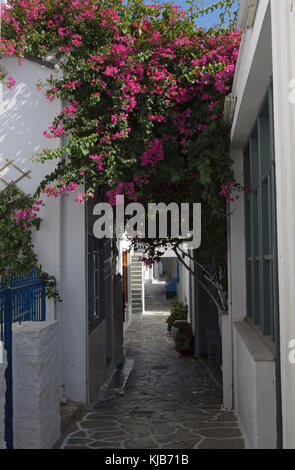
(170, 402)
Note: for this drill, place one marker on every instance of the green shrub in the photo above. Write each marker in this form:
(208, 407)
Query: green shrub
(178, 312)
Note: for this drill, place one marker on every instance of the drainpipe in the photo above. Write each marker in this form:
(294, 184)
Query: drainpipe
(58, 250)
(58, 255)
(230, 315)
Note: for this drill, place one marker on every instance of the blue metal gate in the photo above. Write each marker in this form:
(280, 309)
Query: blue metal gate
(22, 298)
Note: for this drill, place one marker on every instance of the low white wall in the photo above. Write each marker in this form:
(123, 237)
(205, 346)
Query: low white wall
(255, 388)
(3, 365)
(36, 418)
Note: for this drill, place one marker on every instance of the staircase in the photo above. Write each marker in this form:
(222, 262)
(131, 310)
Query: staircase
(136, 283)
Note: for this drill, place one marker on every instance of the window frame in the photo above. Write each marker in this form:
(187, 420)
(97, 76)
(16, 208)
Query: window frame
(262, 304)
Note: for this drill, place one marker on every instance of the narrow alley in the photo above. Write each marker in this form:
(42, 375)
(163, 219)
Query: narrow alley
(170, 402)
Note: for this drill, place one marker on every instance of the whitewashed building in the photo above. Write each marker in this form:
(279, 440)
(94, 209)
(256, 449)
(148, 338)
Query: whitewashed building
(259, 331)
(90, 318)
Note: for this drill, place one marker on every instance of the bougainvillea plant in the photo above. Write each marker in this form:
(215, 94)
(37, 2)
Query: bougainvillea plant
(143, 91)
(17, 253)
(16, 247)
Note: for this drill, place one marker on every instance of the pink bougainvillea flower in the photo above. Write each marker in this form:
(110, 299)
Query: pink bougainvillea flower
(80, 198)
(153, 154)
(11, 82)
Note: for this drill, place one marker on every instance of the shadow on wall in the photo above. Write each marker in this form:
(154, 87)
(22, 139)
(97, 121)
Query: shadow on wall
(169, 268)
(24, 115)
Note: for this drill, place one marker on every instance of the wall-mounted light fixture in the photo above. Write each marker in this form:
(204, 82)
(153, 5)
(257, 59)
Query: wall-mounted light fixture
(247, 14)
(229, 108)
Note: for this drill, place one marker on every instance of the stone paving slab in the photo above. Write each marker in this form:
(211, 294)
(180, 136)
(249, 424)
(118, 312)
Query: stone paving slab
(170, 402)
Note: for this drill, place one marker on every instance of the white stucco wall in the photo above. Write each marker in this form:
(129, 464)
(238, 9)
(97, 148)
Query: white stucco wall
(183, 284)
(60, 243)
(248, 365)
(255, 390)
(283, 50)
(268, 49)
(36, 394)
(72, 312)
(24, 115)
(3, 365)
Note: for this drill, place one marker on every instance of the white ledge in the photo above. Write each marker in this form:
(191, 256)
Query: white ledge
(254, 344)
